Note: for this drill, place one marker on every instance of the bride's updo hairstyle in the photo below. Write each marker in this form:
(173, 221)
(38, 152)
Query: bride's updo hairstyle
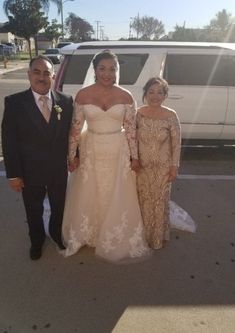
(106, 54)
(152, 81)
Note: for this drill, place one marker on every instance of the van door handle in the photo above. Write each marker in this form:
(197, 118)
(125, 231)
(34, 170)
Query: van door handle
(175, 97)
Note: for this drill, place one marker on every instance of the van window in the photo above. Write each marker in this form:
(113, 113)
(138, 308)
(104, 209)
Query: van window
(130, 67)
(181, 69)
(231, 71)
(76, 68)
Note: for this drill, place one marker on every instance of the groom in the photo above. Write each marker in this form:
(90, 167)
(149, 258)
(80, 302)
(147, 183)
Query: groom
(35, 131)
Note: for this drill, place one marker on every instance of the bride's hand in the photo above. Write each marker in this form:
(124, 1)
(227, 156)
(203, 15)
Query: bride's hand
(135, 165)
(72, 165)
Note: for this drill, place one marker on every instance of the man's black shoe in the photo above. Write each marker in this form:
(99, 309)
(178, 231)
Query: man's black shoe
(61, 246)
(35, 253)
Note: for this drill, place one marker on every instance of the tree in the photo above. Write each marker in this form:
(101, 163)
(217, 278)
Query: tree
(79, 29)
(147, 27)
(43, 3)
(221, 28)
(26, 19)
(184, 34)
(53, 31)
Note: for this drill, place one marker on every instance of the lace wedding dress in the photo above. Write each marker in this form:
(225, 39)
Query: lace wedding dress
(101, 208)
(101, 205)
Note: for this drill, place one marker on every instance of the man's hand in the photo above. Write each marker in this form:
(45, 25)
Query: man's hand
(16, 184)
(72, 165)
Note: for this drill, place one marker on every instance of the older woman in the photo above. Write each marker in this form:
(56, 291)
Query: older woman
(159, 151)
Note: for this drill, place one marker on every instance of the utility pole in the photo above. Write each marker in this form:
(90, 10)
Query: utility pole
(97, 29)
(130, 26)
(101, 32)
(62, 16)
(62, 19)
(138, 25)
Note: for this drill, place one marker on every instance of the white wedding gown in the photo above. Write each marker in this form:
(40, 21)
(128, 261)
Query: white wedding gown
(101, 208)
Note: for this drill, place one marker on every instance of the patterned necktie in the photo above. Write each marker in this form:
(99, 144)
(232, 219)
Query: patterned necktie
(44, 108)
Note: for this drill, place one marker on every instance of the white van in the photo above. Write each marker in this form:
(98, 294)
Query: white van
(201, 79)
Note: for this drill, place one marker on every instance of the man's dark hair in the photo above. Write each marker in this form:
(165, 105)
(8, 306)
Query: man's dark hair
(41, 56)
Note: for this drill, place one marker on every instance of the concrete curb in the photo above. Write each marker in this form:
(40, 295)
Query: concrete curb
(13, 66)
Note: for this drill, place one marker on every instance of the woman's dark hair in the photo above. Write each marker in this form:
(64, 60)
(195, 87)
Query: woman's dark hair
(152, 81)
(106, 54)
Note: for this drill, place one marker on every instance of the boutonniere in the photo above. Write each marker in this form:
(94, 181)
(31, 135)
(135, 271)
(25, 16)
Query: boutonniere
(58, 110)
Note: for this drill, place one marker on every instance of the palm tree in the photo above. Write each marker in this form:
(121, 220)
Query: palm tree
(44, 3)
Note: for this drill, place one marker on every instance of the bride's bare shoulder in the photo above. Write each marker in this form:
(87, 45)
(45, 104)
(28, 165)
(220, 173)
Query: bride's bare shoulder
(84, 94)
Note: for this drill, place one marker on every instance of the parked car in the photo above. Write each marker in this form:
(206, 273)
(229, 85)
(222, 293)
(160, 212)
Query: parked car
(201, 79)
(5, 50)
(62, 44)
(54, 54)
(11, 47)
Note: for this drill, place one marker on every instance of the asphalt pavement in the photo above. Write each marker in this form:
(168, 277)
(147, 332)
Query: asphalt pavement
(187, 287)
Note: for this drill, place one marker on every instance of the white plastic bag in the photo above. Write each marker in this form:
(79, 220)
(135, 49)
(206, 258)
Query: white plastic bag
(180, 219)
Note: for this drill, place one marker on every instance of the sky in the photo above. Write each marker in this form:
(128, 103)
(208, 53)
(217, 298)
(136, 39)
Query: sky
(114, 17)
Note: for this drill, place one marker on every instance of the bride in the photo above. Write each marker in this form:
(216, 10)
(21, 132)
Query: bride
(101, 209)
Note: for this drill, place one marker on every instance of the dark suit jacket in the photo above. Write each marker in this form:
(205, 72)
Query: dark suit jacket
(33, 149)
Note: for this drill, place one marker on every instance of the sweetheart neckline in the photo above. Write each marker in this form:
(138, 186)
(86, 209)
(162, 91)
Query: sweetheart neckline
(99, 107)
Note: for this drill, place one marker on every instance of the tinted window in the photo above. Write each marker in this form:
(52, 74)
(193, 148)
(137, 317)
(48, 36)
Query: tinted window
(130, 68)
(199, 70)
(63, 44)
(231, 71)
(76, 69)
(52, 51)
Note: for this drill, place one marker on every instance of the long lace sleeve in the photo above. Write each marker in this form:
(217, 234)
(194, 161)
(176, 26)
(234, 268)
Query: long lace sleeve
(75, 130)
(175, 140)
(130, 129)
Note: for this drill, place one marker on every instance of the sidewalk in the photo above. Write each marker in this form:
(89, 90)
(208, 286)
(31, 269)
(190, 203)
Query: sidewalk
(188, 287)
(12, 65)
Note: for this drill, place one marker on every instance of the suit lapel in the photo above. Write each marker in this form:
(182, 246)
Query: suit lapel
(51, 130)
(34, 113)
(54, 121)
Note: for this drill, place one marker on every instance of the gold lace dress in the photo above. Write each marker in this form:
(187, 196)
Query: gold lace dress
(101, 208)
(159, 149)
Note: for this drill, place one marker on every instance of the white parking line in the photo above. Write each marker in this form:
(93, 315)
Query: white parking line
(193, 177)
(207, 177)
